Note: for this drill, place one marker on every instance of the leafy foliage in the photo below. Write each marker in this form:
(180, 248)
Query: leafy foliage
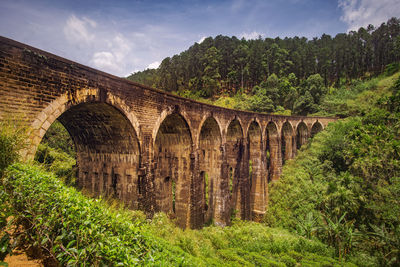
(12, 141)
(57, 161)
(69, 227)
(57, 137)
(287, 67)
(73, 229)
(345, 187)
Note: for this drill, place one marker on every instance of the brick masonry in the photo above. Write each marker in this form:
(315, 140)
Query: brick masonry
(153, 150)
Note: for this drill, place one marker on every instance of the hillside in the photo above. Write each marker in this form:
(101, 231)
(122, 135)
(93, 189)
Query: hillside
(337, 202)
(344, 187)
(291, 74)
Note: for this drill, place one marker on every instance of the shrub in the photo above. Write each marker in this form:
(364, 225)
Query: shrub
(345, 187)
(69, 227)
(59, 162)
(58, 138)
(12, 141)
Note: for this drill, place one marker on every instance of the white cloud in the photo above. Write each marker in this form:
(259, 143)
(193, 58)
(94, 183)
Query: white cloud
(154, 65)
(97, 42)
(105, 60)
(90, 22)
(250, 35)
(112, 49)
(116, 58)
(120, 47)
(77, 30)
(361, 13)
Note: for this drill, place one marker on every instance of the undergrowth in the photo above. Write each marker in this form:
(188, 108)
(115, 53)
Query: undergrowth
(74, 229)
(344, 186)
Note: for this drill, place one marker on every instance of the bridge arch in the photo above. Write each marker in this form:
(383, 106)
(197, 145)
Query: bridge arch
(287, 134)
(69, 88)
(301, 134)
(273, 152)
(51, 112)
(106, 141)
(205, 118)
(316, 128)
(164, 114)
(210, 162)
(172, 154)
(236, 123)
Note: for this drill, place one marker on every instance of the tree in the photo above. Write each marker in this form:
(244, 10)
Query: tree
(271, 88)
(315, 85)
(240, 54)
(260, 102)
(166, 78)
(224, 64)
(211, 77)
(304, 104)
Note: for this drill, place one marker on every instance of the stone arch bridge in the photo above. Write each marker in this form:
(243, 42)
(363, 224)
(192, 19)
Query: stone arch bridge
(153, 150)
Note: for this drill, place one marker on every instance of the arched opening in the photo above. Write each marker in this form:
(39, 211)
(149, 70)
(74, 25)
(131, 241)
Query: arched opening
(210, 165)
(172, 151)
(316, 128)
(107, 150)
(256, 177)
(301, 134)
(234, 154)
(273, 155)
(287, 142)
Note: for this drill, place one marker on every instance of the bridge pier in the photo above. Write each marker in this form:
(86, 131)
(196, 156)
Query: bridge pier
(152, 150)
(257, 171)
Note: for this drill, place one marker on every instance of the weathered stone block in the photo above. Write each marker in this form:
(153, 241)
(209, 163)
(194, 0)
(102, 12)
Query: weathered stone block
(152, 150)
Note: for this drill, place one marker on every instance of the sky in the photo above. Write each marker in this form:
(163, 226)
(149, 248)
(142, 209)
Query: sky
(122, 37)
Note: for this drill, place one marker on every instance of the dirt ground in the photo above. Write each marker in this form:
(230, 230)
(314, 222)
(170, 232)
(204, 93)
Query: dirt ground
(20, 259)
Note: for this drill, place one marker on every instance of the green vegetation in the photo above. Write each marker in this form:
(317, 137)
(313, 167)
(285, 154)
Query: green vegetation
(57, 154)
(344, 188)
(12, 138)
(58, 138)
(69, 227)
(58, 162)
(337, 203)
(290, 75)
(72, 229)
(62, 225)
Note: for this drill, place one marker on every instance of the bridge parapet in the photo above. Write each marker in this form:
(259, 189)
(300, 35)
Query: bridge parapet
(153, 150)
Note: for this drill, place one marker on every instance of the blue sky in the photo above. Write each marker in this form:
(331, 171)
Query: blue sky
(121, 37)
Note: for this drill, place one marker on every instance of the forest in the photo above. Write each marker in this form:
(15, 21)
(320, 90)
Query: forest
(288, 75)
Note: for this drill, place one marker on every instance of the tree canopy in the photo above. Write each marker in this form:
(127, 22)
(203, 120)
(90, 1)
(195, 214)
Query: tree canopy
(224, 64)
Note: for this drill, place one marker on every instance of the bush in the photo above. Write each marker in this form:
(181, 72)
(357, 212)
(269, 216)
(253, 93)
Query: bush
(59, 162)
(69, 227)
(58, 138)
(392, 69)
(345, 187)
(12, 140)
(72, 229)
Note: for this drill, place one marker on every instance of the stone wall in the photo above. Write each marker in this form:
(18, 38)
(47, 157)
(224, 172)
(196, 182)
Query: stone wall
(153, 150)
